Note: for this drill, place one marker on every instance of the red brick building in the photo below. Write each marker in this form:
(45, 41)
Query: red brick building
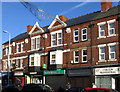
(81, 50)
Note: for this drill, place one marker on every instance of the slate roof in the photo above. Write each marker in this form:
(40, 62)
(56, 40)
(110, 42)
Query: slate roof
(19, 37)
(93, 16)
(78, 20)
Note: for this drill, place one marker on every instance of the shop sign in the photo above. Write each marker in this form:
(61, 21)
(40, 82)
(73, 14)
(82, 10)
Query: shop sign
(54, 72)
(44, 66)
(107, 71)
(18, 73)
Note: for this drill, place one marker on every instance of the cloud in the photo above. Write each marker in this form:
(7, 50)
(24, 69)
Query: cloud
(73, 8)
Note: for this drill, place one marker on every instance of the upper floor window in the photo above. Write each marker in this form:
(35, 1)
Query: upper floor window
(33, 43)
(21, 63)
(10, 49)
(6, 50)
(84, 55)
(111, 51)
(76, 35)
(59, 38)
(18, 47)
(34, 60)
(101, 29)
(38, 42)
(111, 27)
(102, 53)
(22, 47)
(84, 34)
(18, 63)
(53, 59)
(53, 39)
(56, 57)
(76, 56)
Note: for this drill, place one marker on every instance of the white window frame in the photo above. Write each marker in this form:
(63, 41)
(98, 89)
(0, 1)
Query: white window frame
(84, 55)
(101, 54)
(21, 63)
(52, 53)
(109, 22)
(7, 51)
(18, 63)
(59, 38)
(84, 34)
(76, 35)
(53, 39)
(36, 60)
(18, 44)
(32, 44)
(101, 24)
(112, 44)
(33, 60)
(37, 43)
(22, 46)
(76, 57)
(10, 50)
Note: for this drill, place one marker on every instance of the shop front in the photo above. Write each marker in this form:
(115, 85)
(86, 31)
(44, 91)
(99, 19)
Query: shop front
(19, 78)
(107, 77)
(80, 77)
(55, 78)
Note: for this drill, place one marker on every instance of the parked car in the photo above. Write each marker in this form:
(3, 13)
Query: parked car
(76, 89)
(10, 88)
(100, 90)
(37, 88)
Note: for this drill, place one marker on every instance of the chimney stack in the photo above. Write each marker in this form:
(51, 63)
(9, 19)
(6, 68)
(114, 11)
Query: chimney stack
(106, 4)
(29, 27)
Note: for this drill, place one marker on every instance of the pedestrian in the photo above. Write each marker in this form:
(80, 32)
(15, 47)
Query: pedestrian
(93, 85)
(68, 86)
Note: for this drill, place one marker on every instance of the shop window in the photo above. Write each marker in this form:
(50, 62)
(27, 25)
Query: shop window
(84, 34)
(84, 55)
(76, 56)
(103, 81)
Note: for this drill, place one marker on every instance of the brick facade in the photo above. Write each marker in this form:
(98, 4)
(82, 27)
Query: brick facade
(68, 47)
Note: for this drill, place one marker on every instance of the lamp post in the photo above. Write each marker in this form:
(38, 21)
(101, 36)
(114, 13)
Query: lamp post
(8, 54)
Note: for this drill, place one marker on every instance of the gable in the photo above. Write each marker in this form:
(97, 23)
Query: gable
(36, 28)
(57, 22)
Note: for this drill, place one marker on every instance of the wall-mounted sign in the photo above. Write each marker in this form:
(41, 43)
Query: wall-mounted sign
(54, 72)
(44, 66)
(18, 73)
(107, 71)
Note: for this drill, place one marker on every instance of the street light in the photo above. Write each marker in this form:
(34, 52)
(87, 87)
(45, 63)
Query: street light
(8, 54)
